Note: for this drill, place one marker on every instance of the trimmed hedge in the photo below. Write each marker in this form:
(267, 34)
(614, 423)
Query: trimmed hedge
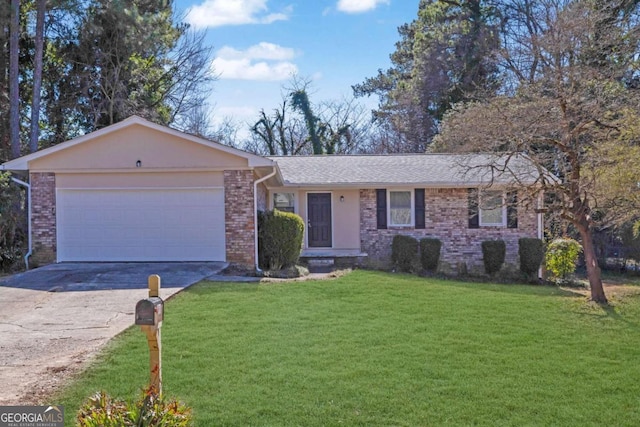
(279, 239)
(430, 253)
(531, 251)
(404, 252)
(493, 254)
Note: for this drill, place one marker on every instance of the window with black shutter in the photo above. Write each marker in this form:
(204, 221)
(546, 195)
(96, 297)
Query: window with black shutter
(419, 208)
(381, 208)
(474, 217)
(512, 209)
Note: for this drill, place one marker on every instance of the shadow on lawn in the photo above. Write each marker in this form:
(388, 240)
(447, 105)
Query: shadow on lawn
(584, 307)
(608, 311)
(541, 289)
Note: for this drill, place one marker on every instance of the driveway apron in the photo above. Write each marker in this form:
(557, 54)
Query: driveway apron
(54, 318)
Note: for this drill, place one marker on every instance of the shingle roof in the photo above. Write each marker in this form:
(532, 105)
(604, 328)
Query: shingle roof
(406, 169)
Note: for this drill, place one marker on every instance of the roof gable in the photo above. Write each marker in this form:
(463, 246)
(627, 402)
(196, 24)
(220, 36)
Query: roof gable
(122, 145)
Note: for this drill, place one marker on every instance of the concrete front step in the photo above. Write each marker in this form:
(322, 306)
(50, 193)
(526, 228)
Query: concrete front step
(320, 265)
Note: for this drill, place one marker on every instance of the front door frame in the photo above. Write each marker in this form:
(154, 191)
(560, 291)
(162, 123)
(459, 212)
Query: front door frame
(330, 193)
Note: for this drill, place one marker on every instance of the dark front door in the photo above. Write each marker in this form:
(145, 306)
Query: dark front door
(319, 220)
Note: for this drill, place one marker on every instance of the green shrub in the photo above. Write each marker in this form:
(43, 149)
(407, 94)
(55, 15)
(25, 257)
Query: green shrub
(630, 237)
(531, 251)
(150, 410)
(404, 252)
(430, 253)
(493, 253)
(279, 239)
(561, 257)
(12, 223)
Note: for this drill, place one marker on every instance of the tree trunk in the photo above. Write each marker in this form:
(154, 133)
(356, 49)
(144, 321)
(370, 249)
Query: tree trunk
(591, 261)
(5, 146)
(37, 76)
(14, 96)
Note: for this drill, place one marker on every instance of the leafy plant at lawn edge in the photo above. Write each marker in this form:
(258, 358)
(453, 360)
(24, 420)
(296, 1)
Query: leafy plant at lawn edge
(561, 257)
(150, 410)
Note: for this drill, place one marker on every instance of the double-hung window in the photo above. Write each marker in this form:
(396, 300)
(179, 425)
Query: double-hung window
(400, 208)
(493, 210)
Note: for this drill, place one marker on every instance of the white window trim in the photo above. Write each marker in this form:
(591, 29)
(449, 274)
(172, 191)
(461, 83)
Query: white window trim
(503, 223)
(413, 207)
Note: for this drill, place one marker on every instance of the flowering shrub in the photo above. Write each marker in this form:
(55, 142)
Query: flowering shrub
(561, 257)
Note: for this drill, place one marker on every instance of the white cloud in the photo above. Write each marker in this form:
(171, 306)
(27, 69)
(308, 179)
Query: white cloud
(359, 6)
(244, 69)
(273, 17)
(217, 13)
(264, 62)
(262, 50)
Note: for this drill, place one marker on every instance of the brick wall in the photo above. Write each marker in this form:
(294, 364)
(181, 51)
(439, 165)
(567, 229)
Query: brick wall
(43, 217)
(446, 212)
(239, 217)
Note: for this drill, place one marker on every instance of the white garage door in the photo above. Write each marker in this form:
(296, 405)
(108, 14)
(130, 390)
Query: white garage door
(140, 225)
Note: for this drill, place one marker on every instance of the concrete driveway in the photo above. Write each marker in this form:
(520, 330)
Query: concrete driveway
(54, 318)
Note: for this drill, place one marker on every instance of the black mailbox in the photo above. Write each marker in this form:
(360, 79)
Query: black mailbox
(149, 311)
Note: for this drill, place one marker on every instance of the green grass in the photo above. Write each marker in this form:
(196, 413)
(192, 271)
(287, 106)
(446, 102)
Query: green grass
(373, 349)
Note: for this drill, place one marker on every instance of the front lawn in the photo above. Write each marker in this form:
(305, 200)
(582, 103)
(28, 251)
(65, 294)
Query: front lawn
(373, 349)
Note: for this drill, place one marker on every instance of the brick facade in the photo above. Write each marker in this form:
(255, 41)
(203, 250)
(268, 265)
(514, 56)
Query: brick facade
(43, 217)
(446, 212)
(239, 217)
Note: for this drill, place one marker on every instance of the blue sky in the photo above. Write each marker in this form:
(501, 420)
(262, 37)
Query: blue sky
(259, 44)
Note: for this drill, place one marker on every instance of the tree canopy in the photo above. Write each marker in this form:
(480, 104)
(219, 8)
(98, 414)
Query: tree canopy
(101, 61)
(444, 56)
(573, 110)
(298, 126)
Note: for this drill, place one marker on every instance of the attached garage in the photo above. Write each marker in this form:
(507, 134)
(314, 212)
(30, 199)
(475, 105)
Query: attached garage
(185, 224)
(138, 191)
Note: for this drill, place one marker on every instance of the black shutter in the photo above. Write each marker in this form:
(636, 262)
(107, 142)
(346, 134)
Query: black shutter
(512, 209)
(419, 207)
(381, 208)
(474, 217)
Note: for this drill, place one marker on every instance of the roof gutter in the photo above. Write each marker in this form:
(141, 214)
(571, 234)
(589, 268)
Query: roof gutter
(255, 211)
(374, 185)
(30, 248)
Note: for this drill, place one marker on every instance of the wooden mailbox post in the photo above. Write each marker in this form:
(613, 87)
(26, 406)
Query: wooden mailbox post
(149, 315)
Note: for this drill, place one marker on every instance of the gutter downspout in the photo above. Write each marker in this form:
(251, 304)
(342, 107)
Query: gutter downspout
(540, 225)
(255, 212)
(28, 186)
